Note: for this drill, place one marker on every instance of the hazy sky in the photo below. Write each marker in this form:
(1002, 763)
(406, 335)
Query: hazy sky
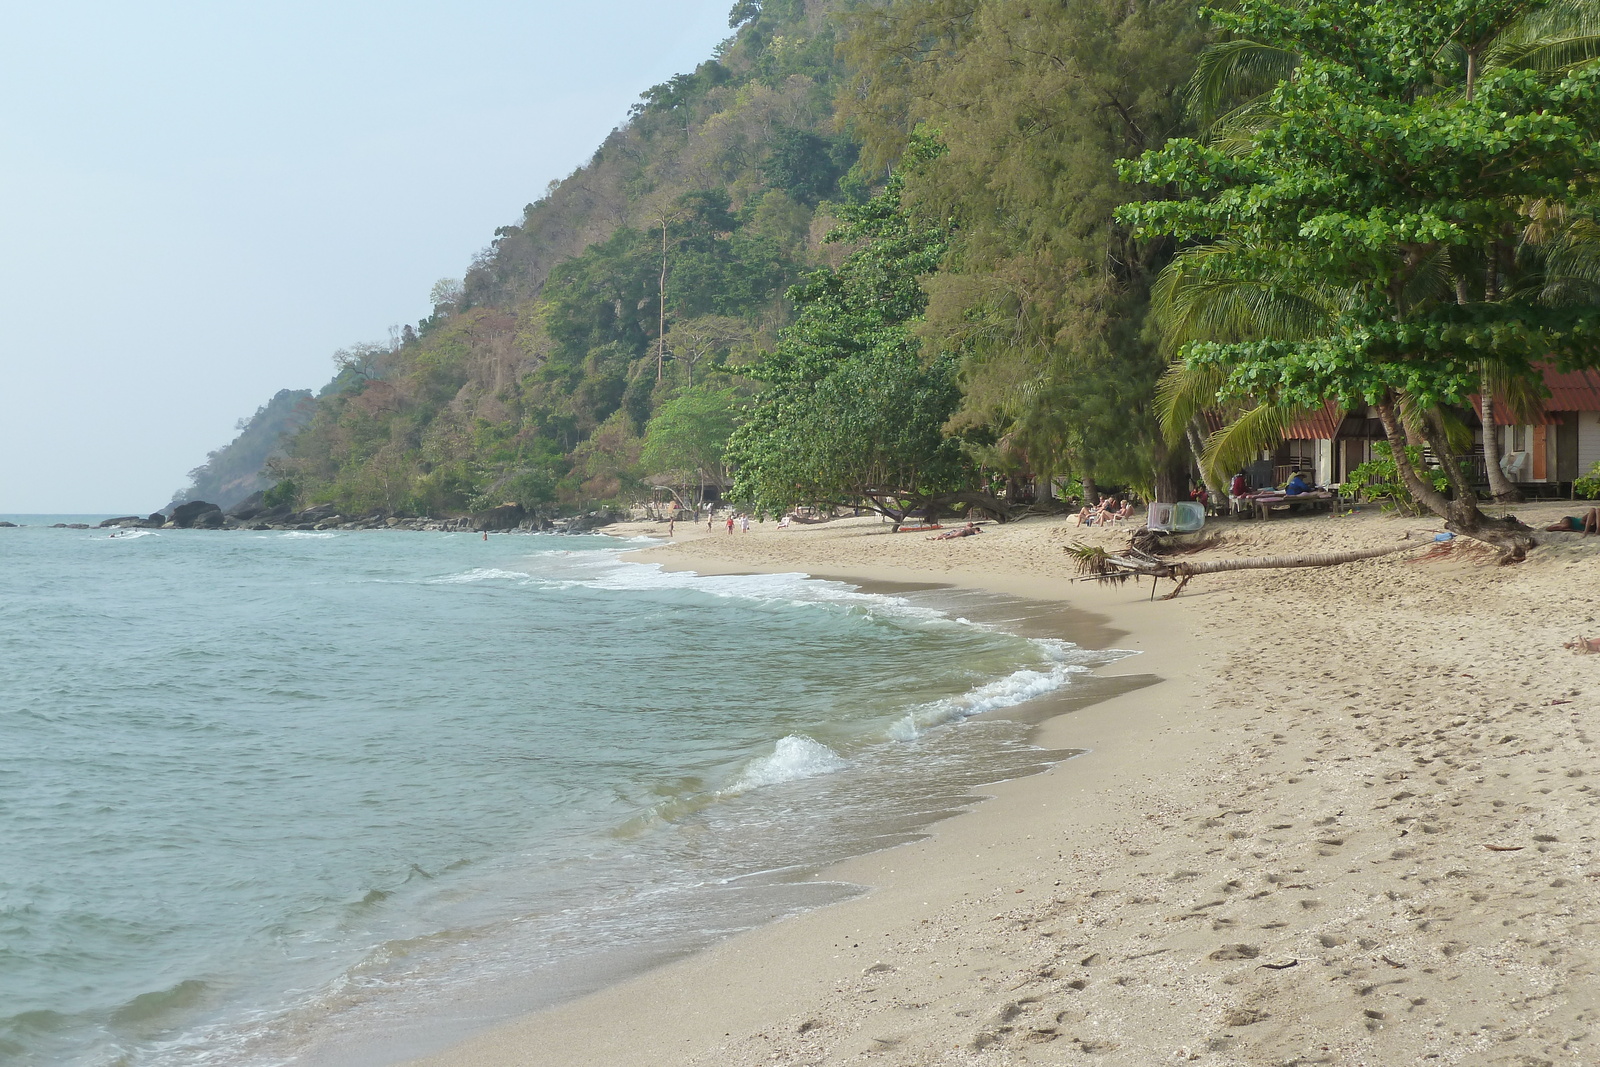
(201, 201)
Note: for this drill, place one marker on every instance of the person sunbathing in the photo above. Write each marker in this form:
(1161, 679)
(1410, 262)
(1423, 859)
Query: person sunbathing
(961, 531)
(1587, 523)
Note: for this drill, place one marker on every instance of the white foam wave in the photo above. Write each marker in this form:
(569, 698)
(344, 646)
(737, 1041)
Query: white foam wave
(788, 588)
(1015, 688)
(312, 535)
(479, 574)
(132, 535)
(792, 758)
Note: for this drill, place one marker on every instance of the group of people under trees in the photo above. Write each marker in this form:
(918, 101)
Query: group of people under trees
(1105, 513)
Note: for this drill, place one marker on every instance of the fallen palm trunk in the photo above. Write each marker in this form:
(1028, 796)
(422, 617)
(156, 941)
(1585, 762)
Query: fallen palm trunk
(1095, 564)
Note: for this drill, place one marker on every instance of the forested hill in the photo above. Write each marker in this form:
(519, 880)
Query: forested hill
(1041, 212)
(535, 377)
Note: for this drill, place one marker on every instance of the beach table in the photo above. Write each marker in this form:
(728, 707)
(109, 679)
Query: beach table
(1265, 504)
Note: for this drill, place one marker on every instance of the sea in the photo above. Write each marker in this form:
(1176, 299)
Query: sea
(349, 797)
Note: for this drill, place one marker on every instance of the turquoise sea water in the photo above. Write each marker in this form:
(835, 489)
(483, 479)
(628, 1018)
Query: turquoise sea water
(343, 797)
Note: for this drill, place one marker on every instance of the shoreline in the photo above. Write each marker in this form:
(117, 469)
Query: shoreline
(905, 880)
(1351, 824)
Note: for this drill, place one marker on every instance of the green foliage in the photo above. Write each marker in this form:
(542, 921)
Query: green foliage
(1042, 297)
(851, 412)
(687, 439)
(807, 166)
(284, 494)
(1379, 479)
(1378, 175)
(1588, 485)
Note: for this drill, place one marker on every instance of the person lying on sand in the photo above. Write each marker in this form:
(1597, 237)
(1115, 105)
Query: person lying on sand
(1587, 523)
(961, 531)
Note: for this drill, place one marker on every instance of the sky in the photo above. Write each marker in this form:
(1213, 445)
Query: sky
(201, 201)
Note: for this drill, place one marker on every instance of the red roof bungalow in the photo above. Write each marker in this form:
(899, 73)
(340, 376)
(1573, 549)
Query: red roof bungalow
(1544, 455)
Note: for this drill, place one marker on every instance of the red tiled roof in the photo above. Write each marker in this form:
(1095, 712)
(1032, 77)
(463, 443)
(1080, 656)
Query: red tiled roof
(1320, 425)
(1577, 390)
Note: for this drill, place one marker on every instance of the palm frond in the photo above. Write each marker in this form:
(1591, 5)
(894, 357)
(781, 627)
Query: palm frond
(1209, 293)
(1238, 444)
(1554, 37)
(1182, 392)
(1233, 72)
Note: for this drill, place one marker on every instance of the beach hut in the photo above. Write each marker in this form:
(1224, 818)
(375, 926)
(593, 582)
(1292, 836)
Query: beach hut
(1542, 453)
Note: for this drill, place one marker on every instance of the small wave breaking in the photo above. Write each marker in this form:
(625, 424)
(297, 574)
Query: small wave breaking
(792, 758)
(479, 574)
(1015, 688)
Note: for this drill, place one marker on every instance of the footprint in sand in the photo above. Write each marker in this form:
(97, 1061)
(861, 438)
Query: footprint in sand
(1235, 952)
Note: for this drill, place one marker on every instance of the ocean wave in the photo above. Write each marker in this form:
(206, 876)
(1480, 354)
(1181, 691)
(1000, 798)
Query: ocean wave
(792, 758)
(479, 574)
(313, 535)
(792, 588)
(131, 535)
(1013, 689)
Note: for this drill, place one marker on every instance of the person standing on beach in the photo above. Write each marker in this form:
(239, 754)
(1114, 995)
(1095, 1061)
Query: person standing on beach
(744, 524)
(730, 524)
(672, 524)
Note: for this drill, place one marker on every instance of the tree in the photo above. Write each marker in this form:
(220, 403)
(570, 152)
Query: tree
(1371, 169)
(694, 340)
(688, 438)
(851, 413)
(1043, 295)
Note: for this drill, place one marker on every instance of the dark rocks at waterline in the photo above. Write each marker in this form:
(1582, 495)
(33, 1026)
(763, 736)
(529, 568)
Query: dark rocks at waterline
(196, 512)
(320, 513)
(69, 526)
(9, 525)
(591, 521)
(508, 518)
(504, 517)
(134, 522)
(249, 508)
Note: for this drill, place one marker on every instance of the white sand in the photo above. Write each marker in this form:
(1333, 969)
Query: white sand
(1277, 855)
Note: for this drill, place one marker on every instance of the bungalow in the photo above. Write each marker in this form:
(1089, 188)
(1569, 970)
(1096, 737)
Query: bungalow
(1543, 456)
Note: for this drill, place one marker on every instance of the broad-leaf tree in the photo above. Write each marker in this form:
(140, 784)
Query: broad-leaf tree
(852, 413)
(1372, 169)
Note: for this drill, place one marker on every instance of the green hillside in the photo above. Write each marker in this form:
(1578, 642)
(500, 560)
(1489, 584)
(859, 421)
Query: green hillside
(535, 378)
(924, 253)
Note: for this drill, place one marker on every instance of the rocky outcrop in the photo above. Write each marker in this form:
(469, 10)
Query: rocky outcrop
(248, 508)
(504, 517)
(196, 512)
(252, 515)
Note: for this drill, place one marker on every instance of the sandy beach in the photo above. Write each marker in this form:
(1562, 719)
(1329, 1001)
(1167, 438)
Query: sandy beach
(1342, 816)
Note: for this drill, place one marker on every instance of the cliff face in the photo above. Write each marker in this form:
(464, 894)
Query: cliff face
(237, 470)
(654, 270)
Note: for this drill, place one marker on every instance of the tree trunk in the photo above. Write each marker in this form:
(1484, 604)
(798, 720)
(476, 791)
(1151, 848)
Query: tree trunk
(1462, 514)
(1501, 488)
(1168, 470)
(1314, 559)
(1421, 492)
(1218, 491)
(1462, 511)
